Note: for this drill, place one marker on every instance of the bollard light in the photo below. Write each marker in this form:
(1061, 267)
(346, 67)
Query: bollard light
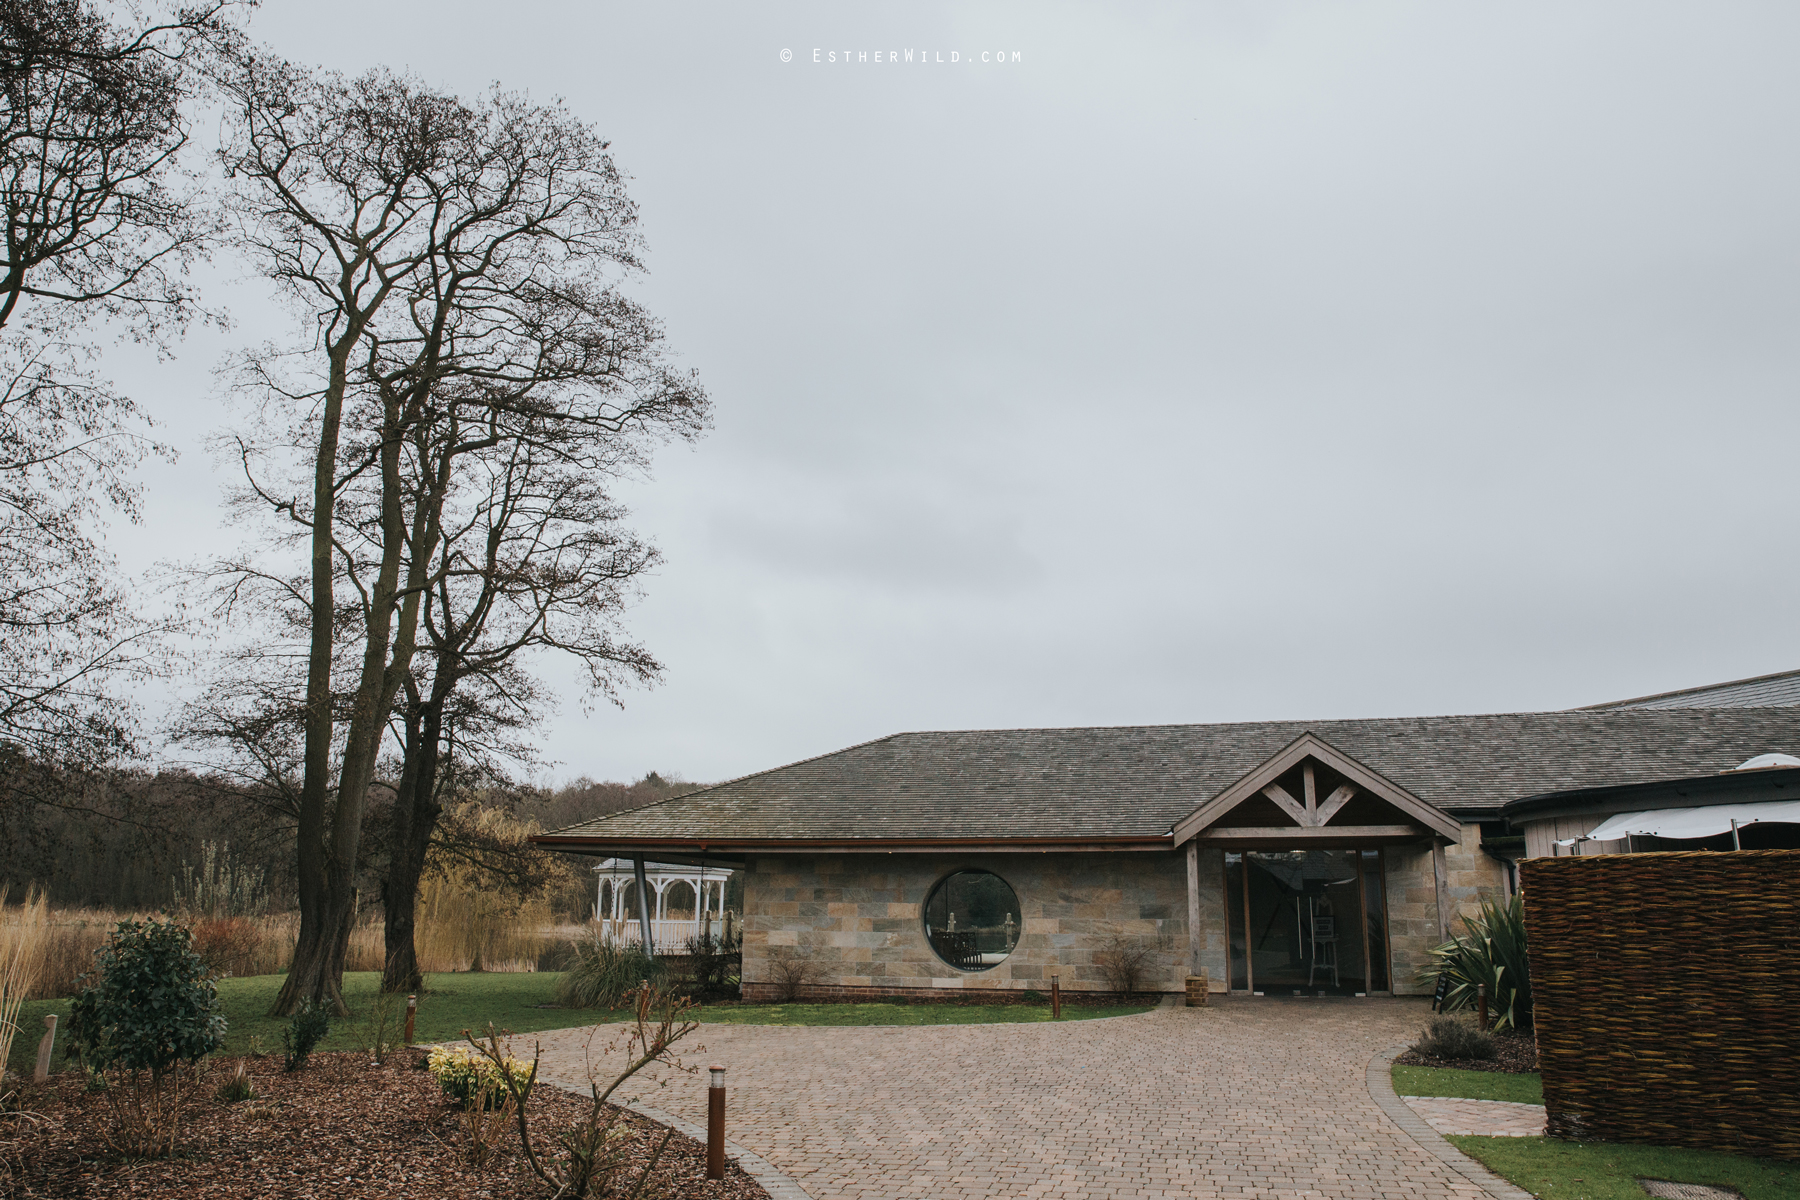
(715, 1124)
(412, 1011)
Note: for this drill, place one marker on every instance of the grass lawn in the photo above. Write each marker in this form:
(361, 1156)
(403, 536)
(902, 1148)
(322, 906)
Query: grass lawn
(904, 1014)
(1472, 1085)
(1558, 1170)
(452, 1003)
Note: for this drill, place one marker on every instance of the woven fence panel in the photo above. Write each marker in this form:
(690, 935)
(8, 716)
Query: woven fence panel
(1667, 990)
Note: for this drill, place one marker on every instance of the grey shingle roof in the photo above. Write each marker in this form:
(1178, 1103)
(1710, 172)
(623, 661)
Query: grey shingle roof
(1137, 781)
(1780, 690)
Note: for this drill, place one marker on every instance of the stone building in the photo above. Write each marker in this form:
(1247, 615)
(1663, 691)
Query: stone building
(1274, 857)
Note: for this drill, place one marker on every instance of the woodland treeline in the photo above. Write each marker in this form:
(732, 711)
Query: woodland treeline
(423, 466)
(120, 839)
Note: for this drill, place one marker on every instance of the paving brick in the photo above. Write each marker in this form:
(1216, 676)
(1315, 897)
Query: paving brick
(1246, 1100)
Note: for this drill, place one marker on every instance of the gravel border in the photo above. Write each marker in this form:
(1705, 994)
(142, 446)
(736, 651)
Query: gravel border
(1381, 1090)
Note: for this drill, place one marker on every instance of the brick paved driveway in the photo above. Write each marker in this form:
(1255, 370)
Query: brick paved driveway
(1250, 1098)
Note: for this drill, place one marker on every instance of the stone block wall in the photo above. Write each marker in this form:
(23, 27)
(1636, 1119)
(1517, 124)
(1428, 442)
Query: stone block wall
(1412, 914)
(858, 918)
(1412, 900)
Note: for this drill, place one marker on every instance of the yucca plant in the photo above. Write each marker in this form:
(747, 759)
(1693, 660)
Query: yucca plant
(1493, 953)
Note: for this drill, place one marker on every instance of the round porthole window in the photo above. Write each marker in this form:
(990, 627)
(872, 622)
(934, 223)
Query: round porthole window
(972, 920)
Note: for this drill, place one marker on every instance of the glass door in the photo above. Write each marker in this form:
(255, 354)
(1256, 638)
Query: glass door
(1306, 922)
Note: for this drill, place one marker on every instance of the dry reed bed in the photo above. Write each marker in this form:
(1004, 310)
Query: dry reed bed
(450, 937)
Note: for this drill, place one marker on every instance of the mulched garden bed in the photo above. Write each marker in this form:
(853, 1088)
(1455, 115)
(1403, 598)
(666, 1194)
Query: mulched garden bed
(1514, 1054)
(339, 1127)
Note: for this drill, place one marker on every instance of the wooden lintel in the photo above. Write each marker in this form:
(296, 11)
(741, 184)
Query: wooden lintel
(1335, 801)
(1325, 833)
(1287, 803)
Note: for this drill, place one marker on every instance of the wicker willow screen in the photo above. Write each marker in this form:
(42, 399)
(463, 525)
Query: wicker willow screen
(1667, 989)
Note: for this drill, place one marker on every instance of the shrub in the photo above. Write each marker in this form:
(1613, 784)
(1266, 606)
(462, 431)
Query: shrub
(1453, 1037)
(378, 1032)
(153, 1009)
(791, 969)
(1493, 953)
(713, 966)
(472, 1078)
(558, 954)
(1125, 961)
(592, 1159)
(227, 945)
(237, 1087)
(306, 1029)
(604, 973)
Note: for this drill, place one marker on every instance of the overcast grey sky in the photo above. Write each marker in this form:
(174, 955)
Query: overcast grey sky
(1209, 362)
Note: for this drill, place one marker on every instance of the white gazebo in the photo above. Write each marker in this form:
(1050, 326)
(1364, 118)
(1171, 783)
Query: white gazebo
(616, 909)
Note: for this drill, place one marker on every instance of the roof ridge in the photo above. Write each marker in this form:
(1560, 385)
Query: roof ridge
(1689, 691)
(1586, 711)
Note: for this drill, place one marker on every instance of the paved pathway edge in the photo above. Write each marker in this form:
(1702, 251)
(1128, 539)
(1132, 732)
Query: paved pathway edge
(779, 1185)
(1381, 1090)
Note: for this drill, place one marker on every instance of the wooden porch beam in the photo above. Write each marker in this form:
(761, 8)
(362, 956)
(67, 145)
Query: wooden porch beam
(1325, 833)
(1288, 804)
(1440, 879)
(1335, 801)
(1193, 907)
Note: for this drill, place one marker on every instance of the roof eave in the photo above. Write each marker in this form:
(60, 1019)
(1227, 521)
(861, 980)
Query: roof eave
(725, 846)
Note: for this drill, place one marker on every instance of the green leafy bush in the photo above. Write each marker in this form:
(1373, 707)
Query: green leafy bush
(153, 1007)
(713, 967)
(604, 972)
(306, 1029)
(1493, 953)
(1454, 1037)
(152, 1010)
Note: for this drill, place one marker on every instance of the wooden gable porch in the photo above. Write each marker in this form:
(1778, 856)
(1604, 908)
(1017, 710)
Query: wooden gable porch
(1310, 797)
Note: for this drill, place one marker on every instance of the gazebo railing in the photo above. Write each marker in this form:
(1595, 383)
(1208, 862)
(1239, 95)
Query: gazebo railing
(667, 935)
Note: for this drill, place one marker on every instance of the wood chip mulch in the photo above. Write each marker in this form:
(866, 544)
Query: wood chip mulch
(1514, 1054)
(339, 1127)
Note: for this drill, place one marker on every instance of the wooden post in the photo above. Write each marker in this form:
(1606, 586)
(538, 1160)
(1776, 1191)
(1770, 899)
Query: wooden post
(1440, 878)
(1481, 1000)
(715, 1124)
(1193, 899)
(44, 1048)
(412, 1010)
(1055, 997)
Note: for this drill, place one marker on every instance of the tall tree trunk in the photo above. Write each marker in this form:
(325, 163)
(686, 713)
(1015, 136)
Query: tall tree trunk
(416, 811)
(308, 973)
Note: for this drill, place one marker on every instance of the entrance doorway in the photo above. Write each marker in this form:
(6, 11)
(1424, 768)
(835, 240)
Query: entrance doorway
(1307, 921)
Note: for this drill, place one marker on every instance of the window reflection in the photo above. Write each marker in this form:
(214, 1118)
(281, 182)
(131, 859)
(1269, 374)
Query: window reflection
(972, 920)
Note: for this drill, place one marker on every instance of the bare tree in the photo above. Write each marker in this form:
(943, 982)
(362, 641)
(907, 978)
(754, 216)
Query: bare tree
(100, 223)
(534, 561)
(448, 257)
